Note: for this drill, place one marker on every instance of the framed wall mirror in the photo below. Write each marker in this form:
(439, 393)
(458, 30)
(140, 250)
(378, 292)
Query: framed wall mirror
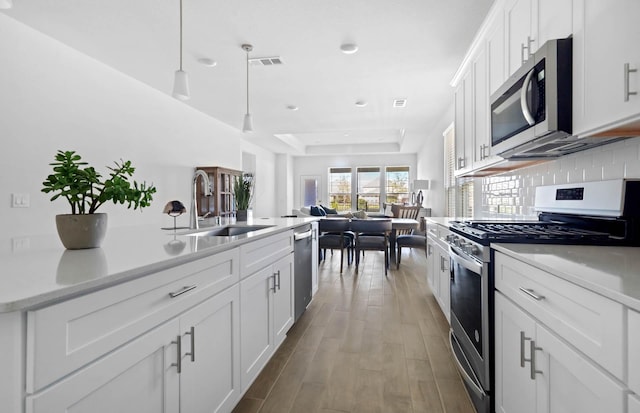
(309, 187)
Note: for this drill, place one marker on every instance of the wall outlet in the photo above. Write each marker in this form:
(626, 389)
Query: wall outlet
(19, 244)
(20, 201)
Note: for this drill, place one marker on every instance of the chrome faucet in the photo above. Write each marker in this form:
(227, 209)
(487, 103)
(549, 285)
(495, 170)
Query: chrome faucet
(206, 186)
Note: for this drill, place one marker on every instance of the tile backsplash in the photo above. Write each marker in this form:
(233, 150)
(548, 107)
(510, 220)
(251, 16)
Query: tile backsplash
(511, 195)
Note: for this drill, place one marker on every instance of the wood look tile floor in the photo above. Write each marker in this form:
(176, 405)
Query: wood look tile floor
(367, 343)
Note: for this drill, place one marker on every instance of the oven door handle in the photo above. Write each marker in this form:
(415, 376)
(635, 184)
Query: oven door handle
(465, 262)
(465, 376)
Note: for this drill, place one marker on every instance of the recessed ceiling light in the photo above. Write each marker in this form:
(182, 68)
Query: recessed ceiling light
(207, 62)
(6, 4)
(399, 103)
(292, 107)
(361, 103)
(349, 48)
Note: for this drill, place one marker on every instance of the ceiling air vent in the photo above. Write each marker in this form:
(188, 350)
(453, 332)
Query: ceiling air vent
(399, 103)
(265, 61)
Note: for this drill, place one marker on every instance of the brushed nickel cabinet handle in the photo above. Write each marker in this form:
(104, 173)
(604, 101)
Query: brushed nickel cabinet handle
(274, 283)
(178, 362)
(533, 359)
(192, 353)
(523, 338)
(183, 290)
(278, 274)
(531, 293)
(627, 72)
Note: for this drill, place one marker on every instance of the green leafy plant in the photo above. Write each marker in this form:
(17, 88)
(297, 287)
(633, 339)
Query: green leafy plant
(83, 188)
(243, 191)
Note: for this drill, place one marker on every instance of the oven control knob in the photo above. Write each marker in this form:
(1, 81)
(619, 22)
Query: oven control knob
(474, 250)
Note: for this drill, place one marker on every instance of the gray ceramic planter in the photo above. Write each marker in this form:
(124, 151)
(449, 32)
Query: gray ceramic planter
(81, 231)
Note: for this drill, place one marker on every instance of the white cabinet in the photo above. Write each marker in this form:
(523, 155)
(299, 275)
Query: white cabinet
(633, 328)
(553, 20)
(606, 64)
(463, 102)
(519, 37)
(438, 275)
(538, 372)
(530, 23)
(634, 404)
(139, 377)
(566, 381)
(558, 346)
(514, 330)
(210, 333)
(314, 258)
(496, 53)
(266, 315)
(189, 364)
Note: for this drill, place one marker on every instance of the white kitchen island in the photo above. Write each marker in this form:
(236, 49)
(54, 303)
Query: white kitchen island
(154, 321)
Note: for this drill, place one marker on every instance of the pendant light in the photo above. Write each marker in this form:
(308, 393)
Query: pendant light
(181, 80)
(247, 125)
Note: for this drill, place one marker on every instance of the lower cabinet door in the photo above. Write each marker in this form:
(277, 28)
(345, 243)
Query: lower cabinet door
(634, 404)
(256, 320)
(140, 377)
(514, 330)
(210, 379)
(568, 382)
(283, 299)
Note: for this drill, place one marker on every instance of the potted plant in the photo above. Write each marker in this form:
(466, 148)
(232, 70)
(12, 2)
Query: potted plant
(243, 194)
(86, 190)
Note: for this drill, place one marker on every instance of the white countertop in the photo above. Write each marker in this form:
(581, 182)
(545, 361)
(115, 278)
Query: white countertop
(613, 272)
(38, 269)
(444, 221)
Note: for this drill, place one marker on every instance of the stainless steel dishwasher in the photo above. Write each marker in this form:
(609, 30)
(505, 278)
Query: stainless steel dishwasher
(302, 267)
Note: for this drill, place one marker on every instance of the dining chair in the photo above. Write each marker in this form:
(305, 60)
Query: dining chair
(416, 239)
(334, 236)
(409, 212)
(372, 235)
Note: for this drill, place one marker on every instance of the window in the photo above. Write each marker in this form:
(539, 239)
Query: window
(459, 192)
(340, 188)
(368, 194)
(397, 184)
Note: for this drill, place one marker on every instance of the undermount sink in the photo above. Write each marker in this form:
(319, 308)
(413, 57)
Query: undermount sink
(228, 231)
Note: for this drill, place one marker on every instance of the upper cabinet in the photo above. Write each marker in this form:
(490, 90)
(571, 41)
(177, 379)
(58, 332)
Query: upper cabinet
(606, 70)
(530, 23)
(606, 59)
(519, 32)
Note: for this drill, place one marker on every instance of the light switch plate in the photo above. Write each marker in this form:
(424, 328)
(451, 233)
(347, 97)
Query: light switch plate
(20, 201)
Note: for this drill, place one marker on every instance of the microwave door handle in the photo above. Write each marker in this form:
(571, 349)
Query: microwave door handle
(523, 99)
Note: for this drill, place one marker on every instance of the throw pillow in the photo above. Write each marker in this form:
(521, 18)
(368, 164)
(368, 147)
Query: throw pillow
(328, 210)
(388, 212)
(316, 211)
(360, 214)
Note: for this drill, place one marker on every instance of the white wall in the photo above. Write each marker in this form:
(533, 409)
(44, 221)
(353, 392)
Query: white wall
(319, 166)
(431, 165)
(53, 97)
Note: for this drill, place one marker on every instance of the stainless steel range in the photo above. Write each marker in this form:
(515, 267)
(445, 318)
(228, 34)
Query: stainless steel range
(593, 213)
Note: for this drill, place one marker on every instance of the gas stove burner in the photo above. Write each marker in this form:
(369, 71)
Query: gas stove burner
(528, 232)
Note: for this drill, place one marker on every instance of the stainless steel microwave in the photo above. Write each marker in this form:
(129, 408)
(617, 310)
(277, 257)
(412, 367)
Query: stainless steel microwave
(531, 113)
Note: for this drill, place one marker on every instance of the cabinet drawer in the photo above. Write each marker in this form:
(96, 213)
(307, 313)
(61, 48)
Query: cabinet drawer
(632, 348)
(261, 253)
(590, 322)
(63, 337)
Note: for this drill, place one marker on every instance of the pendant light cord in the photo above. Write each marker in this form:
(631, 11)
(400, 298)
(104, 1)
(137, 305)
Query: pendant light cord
(247, 80)
(181, 35)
